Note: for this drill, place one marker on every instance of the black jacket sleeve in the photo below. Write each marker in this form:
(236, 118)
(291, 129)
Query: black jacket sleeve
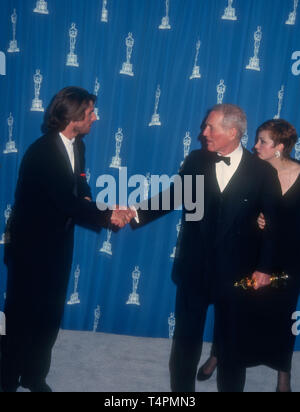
(52, 184)
(170, 199)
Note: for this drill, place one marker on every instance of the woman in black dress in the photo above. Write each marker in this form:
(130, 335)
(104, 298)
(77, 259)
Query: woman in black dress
(268, 321)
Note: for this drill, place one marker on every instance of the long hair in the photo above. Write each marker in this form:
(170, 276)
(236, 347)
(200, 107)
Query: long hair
(67, 105)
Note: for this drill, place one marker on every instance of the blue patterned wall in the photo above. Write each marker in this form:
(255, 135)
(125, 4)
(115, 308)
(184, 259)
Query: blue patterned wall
(157, 66)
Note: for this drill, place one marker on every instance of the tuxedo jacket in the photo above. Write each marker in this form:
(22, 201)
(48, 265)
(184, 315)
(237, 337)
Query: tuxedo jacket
(49, 201)
(226, 245)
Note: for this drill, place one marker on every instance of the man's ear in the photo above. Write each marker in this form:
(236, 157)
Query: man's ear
(232, 133)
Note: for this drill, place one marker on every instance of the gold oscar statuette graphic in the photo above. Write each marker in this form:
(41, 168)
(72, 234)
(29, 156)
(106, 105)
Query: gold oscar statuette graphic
(277, 280)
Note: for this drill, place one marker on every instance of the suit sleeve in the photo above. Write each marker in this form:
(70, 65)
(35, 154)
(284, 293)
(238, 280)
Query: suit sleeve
(167, 201)
(271, 197)
(56, 187)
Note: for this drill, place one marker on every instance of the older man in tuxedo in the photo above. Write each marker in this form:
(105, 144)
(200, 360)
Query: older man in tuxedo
(222, 248)
(52, 195)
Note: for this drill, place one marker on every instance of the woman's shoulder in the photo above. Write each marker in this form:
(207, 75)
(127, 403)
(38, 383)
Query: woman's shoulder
(295, 166)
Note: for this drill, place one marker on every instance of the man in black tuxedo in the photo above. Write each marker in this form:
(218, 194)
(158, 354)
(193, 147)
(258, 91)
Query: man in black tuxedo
(52, 195)
(222, 248)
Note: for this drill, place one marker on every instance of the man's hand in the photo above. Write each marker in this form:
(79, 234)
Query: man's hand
(261, 280)
(261, 221)
(121, 216)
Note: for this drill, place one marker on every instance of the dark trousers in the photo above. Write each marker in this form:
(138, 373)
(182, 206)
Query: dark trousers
(27, 347)
(187, 345)
(34, 308)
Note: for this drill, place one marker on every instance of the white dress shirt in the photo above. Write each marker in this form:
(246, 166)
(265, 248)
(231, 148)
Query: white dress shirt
(69, 145)
(225, 172)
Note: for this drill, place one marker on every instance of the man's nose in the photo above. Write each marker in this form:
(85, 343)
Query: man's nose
(205, 131)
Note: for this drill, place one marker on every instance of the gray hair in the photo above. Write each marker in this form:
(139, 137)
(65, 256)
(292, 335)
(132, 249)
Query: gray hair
(234, 117)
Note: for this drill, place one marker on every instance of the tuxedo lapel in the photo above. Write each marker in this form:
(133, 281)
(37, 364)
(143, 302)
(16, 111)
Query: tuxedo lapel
(77, 167)
(63, 153)
(66, 164)
(236, 194)
(211, 182)
(212, 193)
(237, 181)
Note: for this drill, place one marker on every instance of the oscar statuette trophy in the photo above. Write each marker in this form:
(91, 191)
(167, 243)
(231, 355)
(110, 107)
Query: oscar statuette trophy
(277, 281)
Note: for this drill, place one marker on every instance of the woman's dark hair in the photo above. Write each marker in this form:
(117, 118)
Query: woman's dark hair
(281, 132)
(68, 105)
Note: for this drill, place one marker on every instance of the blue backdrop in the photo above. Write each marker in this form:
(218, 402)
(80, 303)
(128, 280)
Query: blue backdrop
(149, 61)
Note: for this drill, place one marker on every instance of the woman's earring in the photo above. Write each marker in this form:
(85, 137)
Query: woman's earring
(277, 154)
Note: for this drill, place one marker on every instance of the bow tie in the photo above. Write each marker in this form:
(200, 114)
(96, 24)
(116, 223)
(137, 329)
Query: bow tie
(223, 159)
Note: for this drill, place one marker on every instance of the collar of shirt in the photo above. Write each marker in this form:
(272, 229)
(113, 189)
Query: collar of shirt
(69, 145)
(225, 172)
(235, 156)
(66, 141)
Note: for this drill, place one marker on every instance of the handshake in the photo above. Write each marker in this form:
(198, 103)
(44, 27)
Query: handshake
(121, 216)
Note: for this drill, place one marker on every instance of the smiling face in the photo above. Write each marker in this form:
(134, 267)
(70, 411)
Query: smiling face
(219, 138)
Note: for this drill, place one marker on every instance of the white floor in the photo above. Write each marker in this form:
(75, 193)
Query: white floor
(87, 362)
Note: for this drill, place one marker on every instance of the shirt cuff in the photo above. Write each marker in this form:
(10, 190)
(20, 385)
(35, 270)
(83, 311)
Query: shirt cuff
(136, 214)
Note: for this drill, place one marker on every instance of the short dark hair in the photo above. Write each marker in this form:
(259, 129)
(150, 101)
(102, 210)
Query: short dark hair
(234, 117)
(281, 132)
(67, 105)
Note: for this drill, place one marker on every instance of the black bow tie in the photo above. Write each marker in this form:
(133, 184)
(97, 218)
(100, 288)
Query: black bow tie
(223, 159)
